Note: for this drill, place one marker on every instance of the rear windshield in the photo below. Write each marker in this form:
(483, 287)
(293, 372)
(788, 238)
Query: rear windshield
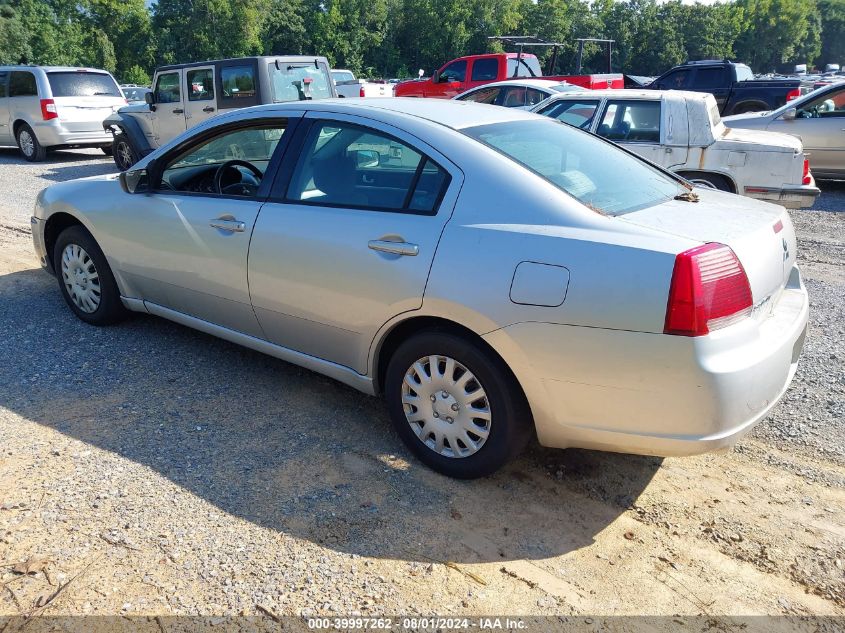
(295, 83)
(342, 75)
(82, 84)
(595, 172)
(528, 66)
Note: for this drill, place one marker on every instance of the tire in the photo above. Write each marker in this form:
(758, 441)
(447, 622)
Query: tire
(708, 180)
(124, 154)
(28, 144)
(107, 150)
(508, 424)
(95, 300)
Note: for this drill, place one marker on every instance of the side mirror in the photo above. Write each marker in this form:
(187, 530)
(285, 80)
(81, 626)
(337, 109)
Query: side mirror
(149, 98)
(135, 180)
(435, 78)
(365, 158)
(789, 115)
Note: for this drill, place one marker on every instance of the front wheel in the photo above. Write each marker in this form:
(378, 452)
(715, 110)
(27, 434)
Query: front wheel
(123, 152)
(85, 279)
(456, 405)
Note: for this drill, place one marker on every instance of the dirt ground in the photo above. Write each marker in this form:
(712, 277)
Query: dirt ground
(165, 472)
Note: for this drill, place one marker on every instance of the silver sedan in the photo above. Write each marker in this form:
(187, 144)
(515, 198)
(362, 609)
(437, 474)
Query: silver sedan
(492, 273)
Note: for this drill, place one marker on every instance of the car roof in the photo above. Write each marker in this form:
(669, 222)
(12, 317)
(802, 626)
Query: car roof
(535, 83)
(53, 69)
(630, 94)
(453, 114)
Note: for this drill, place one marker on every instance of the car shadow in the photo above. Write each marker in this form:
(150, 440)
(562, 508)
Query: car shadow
(285, 448)
(61, 165)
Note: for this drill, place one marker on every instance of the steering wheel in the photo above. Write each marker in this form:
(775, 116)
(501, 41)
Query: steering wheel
(247, 189)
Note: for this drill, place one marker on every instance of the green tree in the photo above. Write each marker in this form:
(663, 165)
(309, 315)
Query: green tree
(14, 46)
(777, 33)
(832, 15)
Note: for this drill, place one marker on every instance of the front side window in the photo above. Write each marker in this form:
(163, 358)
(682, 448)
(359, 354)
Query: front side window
(605, 178)
(238, 82)
(167, 88)
(676, 80)
(485, 69)
(828, 105)
(22, 84)
(484, 95)
(576, 113)
(4, 78)
(82, 84)
(230, 163)
(456, 71)
(293, 82)
(347, 165)
(200, 85)
(631, 121)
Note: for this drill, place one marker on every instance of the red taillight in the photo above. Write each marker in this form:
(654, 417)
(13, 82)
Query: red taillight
(361, 92)
(709, 291)
(806, 178)
(793, 94)
(48, 109)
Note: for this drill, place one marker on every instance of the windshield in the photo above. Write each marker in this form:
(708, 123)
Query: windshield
(298, 82)
(82, 84)
(595, 172)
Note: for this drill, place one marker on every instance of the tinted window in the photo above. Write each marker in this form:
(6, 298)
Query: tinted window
(709, 78)
(484, 95)
(238, 82)
(22, 84)
(676, 80)
(291, 83)
(167, 88)
(350, 166)
(200, 85)
(528, 67)
(576, 113)
(599, 175)
(514, 97)
(82, 84)
(4, 78)
(456, 71)
(831, 104)
(534, 96)
(486, 69)
(631, 121)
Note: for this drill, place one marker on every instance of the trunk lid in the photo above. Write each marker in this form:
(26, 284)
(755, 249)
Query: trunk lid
(761, 235)
(739, 139)
(84, 98)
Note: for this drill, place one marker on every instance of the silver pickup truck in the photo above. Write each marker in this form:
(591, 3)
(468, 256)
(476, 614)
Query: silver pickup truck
(185, 95)
(347, 85)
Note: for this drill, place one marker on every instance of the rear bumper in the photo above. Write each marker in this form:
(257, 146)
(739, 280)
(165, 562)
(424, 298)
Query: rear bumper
(789, 196)
(53, 133)
(654, 394)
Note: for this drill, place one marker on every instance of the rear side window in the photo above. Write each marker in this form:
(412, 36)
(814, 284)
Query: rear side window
(4, 78)
(709, 78)
(534, 96)
(485, 95)
(82, 84)
(575, 113)
(238, 82)
(22, 84)
(200, 85)
(486, 69)
(345, 165)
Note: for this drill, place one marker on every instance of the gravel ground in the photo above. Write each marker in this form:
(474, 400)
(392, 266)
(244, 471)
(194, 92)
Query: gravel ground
(173, 473)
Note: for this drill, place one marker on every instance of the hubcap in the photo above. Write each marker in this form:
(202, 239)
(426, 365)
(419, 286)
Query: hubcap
(26, 143)
(80, 278)
(125, 154)
(446, 406)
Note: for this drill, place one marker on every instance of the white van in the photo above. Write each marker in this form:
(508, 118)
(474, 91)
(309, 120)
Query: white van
(46, 107)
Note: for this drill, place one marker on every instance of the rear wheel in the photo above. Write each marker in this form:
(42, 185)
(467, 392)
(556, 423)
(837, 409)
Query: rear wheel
(31, 149)
(708, 180)
(124, 154)
(85, 279)
(456, 405)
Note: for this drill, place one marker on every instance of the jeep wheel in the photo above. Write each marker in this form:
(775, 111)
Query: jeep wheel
(123, 152)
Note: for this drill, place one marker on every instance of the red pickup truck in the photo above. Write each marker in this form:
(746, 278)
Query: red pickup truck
(468, 72)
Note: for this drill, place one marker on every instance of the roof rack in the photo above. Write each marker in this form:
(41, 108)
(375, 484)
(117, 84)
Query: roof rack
(532, 40)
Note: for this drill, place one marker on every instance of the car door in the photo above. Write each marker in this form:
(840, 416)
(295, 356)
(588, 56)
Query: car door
(5, 123)
(713, 79)
(200, 105)
(634, 124)
(188, 240)
(169, 116)
(451, 81)
(347, 240)
(820, 124)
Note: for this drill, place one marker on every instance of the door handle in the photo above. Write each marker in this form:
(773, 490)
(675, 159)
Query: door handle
(208, 109)
(233, 226)
(367, 180)
(394, 248)
(178, 111)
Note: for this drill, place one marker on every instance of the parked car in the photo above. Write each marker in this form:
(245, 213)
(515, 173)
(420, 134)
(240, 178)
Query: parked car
(347, 85)
(732, 84)
(683, 132)
(185, 95)
(517, 93)
(135, 94)
(53, 107)
(490, 271)
(817, 118)
(464, 73)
